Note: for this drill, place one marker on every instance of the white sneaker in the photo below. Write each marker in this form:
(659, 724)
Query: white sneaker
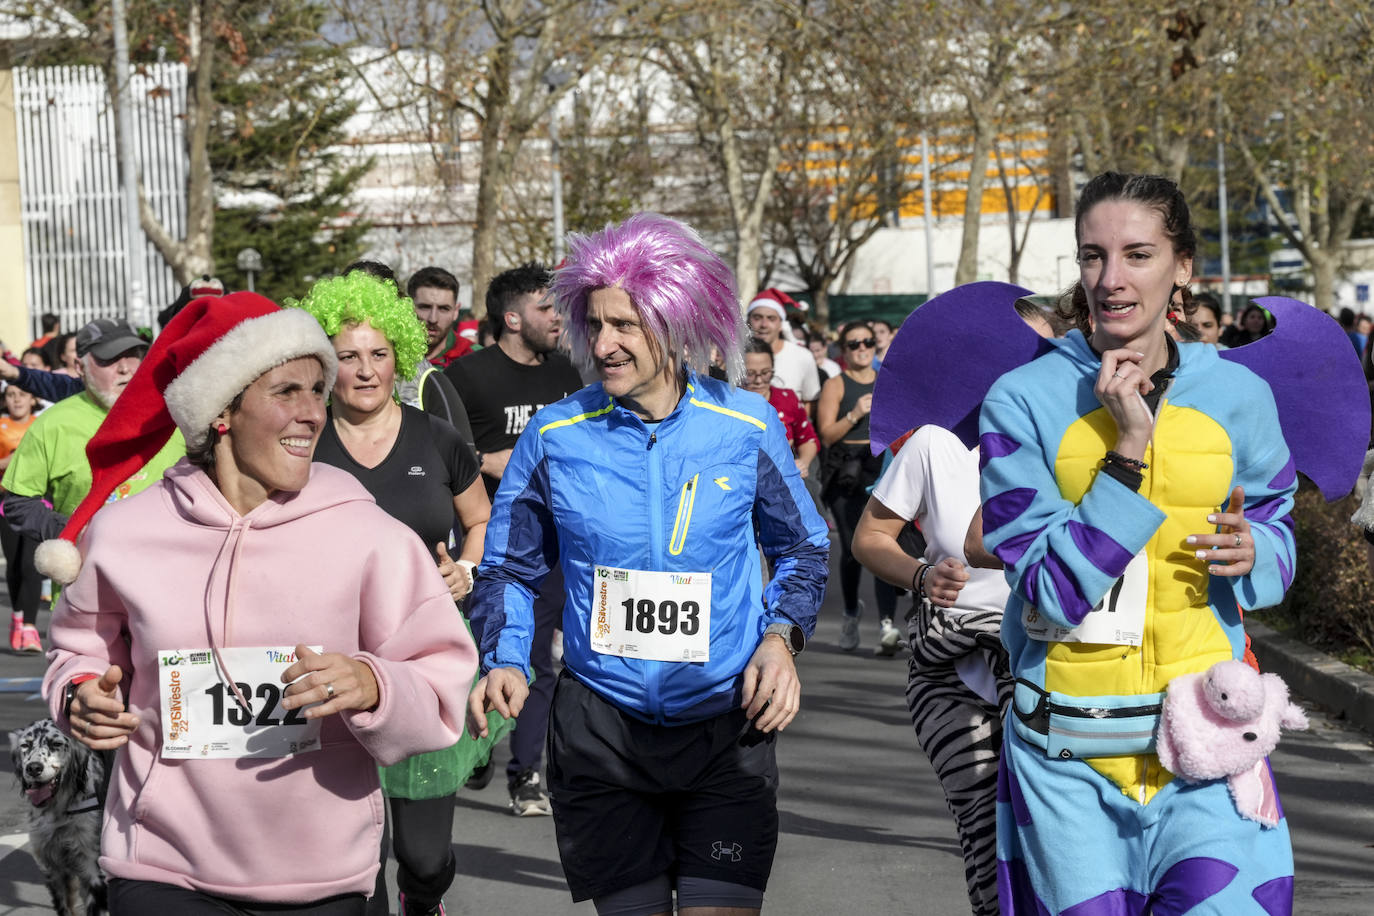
(889, 638)
(849, 633)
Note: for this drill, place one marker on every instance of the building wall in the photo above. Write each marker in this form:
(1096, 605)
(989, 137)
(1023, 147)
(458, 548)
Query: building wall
(15, 328)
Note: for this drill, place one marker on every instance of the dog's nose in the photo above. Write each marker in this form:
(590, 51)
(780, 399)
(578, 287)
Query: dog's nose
(33, 770)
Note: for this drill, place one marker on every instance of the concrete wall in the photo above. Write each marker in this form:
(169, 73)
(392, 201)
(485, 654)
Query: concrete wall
(15, 328)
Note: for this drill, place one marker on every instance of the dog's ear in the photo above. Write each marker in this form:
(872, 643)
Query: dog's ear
(15, 739)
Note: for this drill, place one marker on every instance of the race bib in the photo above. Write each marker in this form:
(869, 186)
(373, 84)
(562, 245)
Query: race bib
(658, 616)
(1117, 620)
(201, 717)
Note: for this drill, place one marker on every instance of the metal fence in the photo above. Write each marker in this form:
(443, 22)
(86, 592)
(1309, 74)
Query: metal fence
(76, 248)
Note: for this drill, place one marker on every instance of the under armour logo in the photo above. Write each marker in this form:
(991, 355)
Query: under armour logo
(719, 851)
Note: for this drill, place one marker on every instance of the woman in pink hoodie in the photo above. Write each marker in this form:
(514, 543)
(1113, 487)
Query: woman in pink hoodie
(253, 632)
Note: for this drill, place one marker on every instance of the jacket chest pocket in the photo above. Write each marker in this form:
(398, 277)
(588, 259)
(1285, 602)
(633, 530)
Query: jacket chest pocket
(711, 505)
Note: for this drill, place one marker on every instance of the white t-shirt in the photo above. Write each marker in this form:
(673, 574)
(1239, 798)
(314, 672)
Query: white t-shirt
(794, 367)
(934, 480)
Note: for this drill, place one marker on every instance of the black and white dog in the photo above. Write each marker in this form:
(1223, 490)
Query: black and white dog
(61, 778)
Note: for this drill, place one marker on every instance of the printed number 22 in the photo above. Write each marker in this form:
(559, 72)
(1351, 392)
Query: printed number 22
(667, 616)
(270, 694)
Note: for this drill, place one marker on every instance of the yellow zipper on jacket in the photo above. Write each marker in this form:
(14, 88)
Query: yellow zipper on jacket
(687, 499)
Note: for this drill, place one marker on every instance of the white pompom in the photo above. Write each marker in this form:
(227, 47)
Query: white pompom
(59, 560)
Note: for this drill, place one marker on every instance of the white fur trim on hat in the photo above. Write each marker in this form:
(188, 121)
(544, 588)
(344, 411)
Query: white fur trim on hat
(247, 350)
(59, 560)
(771, 304)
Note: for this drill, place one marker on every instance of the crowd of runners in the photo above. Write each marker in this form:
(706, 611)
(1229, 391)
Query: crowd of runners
(316, 553)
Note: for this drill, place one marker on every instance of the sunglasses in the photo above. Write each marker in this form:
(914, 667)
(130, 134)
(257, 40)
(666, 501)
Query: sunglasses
(867, 343)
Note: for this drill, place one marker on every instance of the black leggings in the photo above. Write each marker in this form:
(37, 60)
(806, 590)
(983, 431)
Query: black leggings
(421, 837)
(21, 576)
(138, 898)
(847, 505)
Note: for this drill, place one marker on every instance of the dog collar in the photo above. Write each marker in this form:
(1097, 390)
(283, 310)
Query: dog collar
(89, 803)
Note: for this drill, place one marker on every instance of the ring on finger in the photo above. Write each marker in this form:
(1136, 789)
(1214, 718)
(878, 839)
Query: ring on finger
(1117, 375)
(1239, 540)
(329, 690)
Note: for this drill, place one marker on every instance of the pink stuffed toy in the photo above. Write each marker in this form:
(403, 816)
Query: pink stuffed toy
(1224, 722)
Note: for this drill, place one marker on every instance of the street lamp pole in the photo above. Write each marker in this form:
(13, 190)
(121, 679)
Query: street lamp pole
(249, 263)
(1224, 212)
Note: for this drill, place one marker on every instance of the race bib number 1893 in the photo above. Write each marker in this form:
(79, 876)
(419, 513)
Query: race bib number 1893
(202, 718)
(658, 616)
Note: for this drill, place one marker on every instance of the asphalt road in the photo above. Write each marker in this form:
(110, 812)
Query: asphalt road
(864, 827)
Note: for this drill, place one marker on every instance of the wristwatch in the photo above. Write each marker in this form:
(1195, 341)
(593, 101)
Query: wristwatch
(792, 636)
(68, 697)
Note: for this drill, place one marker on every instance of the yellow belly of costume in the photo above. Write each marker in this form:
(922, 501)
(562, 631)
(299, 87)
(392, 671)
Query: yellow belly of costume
(1189, 476)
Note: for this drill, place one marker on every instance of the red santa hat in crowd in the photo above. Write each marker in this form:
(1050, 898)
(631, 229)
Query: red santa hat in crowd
(212, 350)
(775, 300)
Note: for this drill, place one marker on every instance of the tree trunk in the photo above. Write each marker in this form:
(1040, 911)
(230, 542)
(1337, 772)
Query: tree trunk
(967, 269)
(491, 181)
(1323, 265)
(191, 256)
(820, 306)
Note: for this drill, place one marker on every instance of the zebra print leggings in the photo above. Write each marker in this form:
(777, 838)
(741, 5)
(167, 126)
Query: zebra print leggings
(961, 732)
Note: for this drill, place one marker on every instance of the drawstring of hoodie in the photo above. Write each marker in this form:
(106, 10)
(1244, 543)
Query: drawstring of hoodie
(235, 534)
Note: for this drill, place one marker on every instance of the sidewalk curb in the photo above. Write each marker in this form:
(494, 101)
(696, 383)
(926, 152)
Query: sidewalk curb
(1347, 691)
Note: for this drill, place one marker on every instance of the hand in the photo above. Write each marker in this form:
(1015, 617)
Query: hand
(337, 682)
(1121, 387)
(98, 719)
(502, 689)
(8, 370)
(772, 691)
(802, 469)
(1234, 546)
(863, 406)
(945, 581)
(457, 577)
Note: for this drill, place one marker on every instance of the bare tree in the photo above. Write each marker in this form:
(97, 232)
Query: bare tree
(1302, 121)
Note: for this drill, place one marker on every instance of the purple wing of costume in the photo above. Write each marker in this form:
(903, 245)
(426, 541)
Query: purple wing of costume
(945, 357)
(949, 351)
(1319, 388)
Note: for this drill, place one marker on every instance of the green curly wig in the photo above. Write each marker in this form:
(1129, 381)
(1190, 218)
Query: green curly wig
(342, 302)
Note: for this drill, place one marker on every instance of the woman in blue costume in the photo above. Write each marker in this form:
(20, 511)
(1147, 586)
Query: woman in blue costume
(1138, 492)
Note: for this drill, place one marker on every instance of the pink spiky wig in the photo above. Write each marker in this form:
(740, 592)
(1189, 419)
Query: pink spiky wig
(684, 292)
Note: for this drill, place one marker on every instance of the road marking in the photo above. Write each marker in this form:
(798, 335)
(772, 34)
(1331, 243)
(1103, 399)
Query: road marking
(11, 843)
(20, 684)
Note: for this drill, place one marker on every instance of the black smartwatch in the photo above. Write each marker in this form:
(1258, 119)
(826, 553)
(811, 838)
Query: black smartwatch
(68, 697)
(792, 636)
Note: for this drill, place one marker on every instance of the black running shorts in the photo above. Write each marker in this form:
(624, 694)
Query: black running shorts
(632, 800)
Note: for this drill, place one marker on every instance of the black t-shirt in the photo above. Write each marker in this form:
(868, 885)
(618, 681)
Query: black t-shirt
(501, 395)
(428, 465)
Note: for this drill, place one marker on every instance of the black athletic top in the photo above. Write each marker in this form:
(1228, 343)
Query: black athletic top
(501, 395)
(428, 465)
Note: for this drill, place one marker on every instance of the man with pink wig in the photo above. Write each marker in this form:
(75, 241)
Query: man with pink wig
(654, 491)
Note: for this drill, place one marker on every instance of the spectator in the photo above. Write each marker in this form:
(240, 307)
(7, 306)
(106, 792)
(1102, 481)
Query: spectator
(22, 578)
(435, 294)
(1254, 323)
(793, 366)
(758, 378)
(51, 326)
(882, 333)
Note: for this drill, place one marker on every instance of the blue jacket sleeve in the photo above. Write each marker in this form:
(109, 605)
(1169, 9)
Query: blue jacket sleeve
(521, 547)
(1059, 556)
(1265, 470)
(791, 533)
(50, 386)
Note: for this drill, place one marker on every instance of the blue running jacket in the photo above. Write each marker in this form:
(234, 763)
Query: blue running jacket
(589, 483)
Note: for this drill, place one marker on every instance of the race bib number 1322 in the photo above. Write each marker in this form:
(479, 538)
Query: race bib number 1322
(202, 716)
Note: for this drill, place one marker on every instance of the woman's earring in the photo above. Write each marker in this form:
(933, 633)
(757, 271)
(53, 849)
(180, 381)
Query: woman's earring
(221, 428)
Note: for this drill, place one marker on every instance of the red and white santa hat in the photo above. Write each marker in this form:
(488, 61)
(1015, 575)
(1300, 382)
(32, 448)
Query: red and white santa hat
(212, 350)
(775, 300)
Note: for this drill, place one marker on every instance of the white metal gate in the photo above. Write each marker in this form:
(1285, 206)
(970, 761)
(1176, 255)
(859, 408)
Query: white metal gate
(75, 246)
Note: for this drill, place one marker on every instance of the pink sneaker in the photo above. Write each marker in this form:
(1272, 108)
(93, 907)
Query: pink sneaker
(29, 639)
(16, 629)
